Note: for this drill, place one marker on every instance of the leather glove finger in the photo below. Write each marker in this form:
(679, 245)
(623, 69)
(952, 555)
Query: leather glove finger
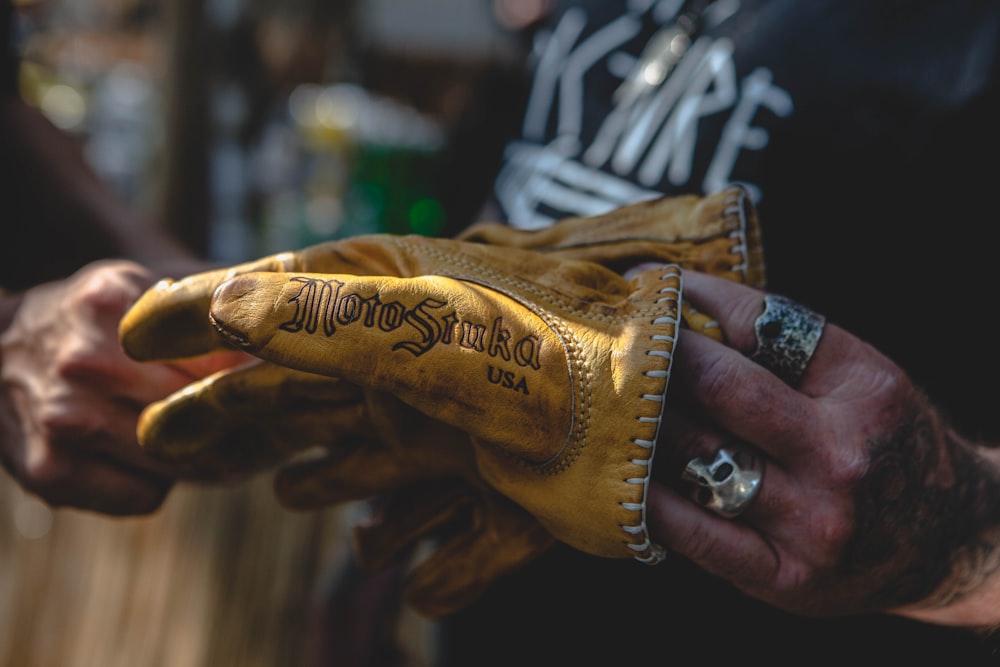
(215, 423)
(718, 234)
(476, 537)
(169, 320)
(404, 447)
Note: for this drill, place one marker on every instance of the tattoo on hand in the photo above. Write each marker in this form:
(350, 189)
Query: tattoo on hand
(930, 502)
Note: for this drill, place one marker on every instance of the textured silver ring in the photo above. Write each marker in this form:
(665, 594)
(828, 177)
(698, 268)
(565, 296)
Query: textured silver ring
(728, 483)
(787, 335)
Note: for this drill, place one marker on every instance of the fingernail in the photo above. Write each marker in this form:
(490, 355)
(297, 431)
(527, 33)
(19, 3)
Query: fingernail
(226, 307)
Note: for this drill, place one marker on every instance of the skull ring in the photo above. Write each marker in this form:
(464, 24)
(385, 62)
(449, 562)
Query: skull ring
(727, 484)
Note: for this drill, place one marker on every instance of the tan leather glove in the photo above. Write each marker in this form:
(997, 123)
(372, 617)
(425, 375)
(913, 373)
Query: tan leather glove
(555, 368)
(717, 234)
(220, 422)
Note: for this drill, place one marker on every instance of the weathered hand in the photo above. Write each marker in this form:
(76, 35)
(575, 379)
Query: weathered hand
(70, 398)
(869, 501)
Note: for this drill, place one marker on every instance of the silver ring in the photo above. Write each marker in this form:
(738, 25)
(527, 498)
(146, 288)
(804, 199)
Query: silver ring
(727, 484)
(787, 335)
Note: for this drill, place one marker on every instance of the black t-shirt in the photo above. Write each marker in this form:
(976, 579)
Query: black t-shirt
(867, 132)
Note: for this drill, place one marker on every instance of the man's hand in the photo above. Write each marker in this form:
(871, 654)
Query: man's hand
(869, 501)
(70, 398)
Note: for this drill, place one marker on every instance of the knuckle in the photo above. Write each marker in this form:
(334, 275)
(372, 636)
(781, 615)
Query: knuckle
(793, 579)
(73, 358)
(717, 379)
(889, 383)
(848, 466)
(106, 288)
(831, 531)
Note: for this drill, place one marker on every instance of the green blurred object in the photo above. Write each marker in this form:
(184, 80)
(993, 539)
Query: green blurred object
(362, 165)
(393, 189)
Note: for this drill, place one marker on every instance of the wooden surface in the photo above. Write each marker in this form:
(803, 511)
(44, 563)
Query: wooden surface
(216, 577)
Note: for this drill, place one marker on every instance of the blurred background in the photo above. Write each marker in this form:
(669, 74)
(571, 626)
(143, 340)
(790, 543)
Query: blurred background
(251, 125)
(246, 127)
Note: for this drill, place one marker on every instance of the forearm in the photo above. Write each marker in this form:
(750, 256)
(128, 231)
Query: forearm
(60, 215)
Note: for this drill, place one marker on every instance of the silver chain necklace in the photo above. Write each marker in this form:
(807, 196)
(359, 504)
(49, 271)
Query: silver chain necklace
(666, 48)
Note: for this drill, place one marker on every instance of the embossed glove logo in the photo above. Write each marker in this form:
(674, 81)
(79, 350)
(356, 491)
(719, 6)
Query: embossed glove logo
(326, 304)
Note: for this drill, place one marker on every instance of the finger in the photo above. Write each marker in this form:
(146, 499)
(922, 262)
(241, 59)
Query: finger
(98, 402)
(683, 436)
(737, 307)
(143, 383)
(763, 411)
(733, 305)
(401, 518)
(199, 367)
(249, 418)
(683, 440)
(358, 470)
(92, 482)
(107, 370)
(478, 538)
(453, 349)
(76, 420)
(169, 321)
(733, 550)
(465, 565)
(90, 355)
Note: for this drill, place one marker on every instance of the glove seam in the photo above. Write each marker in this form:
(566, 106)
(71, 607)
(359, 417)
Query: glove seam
(751, 268)
(649, 552)
(485, 270)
